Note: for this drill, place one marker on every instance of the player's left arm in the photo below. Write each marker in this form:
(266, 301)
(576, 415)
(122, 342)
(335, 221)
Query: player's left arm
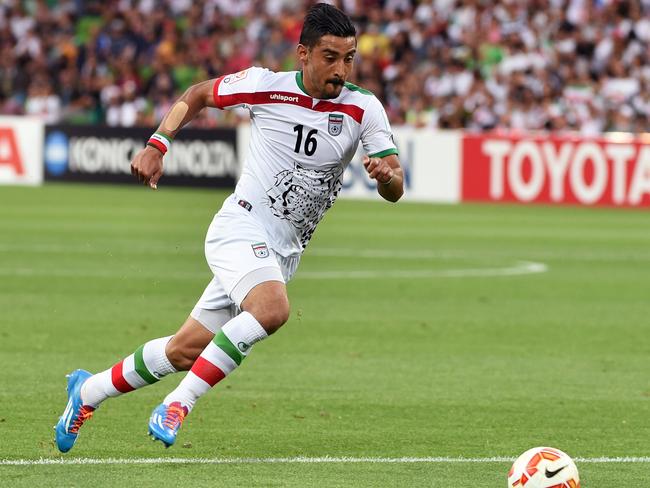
(382, 162)
(387, 171)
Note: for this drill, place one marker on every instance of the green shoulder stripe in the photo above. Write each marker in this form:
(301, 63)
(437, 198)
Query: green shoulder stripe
(383, 154)
(353, 87)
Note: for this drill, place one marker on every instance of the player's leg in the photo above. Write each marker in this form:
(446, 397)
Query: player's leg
(265, 309)
(147, 365)
(253, 279)
(86, 391)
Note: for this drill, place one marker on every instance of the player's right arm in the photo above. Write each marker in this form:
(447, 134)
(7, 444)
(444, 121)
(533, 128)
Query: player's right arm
(147, 165)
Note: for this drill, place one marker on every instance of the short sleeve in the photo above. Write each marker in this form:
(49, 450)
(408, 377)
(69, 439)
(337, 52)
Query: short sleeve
(376, 135)
(237, 89)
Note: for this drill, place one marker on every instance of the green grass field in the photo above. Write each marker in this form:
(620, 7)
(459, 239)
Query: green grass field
(439, 344)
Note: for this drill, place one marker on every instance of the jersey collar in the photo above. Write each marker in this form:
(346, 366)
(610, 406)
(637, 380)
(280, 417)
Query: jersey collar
(299, 82)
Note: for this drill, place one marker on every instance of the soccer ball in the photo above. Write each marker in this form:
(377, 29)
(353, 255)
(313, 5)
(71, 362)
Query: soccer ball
(543, 467)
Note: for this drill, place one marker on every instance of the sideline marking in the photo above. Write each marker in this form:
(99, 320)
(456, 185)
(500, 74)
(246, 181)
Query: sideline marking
(518, 269)
(299, 460)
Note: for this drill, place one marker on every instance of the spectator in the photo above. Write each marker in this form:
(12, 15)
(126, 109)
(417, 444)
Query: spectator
(567, 65)
(42, 101)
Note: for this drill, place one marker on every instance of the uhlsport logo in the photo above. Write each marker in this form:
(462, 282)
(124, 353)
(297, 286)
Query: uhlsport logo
(283, 98)
(260, 249)
(243, 347)
(56, 153)
(335, 124)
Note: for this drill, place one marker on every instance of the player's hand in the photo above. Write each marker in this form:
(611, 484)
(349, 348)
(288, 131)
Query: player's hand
(378, 169)
(147, 166)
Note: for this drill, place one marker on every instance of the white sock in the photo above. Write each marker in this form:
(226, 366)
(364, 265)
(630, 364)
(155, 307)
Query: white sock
(144, 367)
(221, 356)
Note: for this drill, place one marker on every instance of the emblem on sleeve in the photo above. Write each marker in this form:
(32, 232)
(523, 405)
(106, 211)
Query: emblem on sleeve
(260, 249)
(335, 124)
(236, 77)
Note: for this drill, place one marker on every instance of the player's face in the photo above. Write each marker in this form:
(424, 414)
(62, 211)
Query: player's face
(328, 65)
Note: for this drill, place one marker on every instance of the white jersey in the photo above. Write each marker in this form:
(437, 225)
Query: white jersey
(299, 149)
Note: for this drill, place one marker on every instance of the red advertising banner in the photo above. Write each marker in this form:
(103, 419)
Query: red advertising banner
(21, 150)
(613, 170)
(9, 153)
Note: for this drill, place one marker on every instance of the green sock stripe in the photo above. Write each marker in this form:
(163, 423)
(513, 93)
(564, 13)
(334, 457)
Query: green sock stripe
(228, 347)
(165, 136)
(141, 368)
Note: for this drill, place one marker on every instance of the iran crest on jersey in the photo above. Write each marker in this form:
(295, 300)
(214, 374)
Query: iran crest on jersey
(335, 124)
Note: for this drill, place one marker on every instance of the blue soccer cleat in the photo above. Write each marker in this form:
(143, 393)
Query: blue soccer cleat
(75, 414)
(165, 421)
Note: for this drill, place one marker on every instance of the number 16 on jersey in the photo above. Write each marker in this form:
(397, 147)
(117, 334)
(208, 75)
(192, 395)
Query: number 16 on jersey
(310, 142)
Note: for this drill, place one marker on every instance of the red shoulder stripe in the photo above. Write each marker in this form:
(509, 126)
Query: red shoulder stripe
(291, 98)
(259, 98)
(352, 110)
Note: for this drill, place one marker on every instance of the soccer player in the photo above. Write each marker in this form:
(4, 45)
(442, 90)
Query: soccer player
(306, 126)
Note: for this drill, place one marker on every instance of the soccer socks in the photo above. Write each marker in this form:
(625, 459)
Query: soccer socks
(149, 363)
(224, 353)
(145, 366)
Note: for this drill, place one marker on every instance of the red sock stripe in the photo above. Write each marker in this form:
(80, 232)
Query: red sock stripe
(207, 371)
(118, 379)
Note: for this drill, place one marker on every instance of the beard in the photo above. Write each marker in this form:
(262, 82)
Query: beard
(337, 84)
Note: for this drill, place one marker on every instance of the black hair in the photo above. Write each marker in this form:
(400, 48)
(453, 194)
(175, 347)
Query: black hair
(323, 19)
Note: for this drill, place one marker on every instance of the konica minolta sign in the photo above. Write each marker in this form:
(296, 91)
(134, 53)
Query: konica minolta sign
(201, 157)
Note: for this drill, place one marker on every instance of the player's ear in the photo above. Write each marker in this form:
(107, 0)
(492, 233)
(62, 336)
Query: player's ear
(303, 52)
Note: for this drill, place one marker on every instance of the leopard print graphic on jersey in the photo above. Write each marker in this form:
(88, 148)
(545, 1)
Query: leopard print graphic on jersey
(302, 196)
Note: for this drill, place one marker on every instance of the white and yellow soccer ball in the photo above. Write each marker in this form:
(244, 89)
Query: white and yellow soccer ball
(543, 467)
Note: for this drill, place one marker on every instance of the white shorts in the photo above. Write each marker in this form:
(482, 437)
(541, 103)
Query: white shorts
(237, 251)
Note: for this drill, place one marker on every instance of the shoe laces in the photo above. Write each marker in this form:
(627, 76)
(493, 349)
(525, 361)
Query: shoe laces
(175, 416)
(85, 412)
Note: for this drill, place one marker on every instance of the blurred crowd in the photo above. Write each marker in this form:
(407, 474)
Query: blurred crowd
(562, 65)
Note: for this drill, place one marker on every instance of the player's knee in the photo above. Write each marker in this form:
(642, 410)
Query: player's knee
(272, 315)
(269, 304)
(181, 357)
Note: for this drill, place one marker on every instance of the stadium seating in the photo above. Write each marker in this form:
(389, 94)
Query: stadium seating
(539, 65)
